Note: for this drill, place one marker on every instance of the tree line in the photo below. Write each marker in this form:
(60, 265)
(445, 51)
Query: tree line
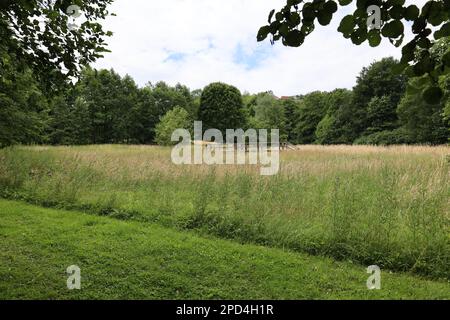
(393, 102)
(385, 107)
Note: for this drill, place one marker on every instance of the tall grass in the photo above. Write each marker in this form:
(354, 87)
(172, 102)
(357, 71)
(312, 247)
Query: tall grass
(372, 205)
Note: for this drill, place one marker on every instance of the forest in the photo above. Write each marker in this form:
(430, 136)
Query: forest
(383, 108)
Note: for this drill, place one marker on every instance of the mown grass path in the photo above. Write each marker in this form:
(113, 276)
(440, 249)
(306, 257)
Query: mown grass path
(120, 259)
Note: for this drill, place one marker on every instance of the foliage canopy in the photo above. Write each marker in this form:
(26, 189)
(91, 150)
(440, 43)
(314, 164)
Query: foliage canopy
(296, 20)
(38, 34)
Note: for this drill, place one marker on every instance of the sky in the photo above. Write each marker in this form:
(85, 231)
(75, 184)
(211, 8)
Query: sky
(196, 42)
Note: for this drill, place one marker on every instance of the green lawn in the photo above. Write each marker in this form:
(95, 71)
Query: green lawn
(125, 259)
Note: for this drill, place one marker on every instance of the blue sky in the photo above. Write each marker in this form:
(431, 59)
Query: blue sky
(175, 56)
(252, 59)
(195, 42)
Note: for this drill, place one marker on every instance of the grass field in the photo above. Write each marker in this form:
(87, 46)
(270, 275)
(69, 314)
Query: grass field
(361, 205)
(123, 259)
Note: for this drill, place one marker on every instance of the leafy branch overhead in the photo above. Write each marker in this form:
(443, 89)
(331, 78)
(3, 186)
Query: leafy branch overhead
(296, 20)
(37, 33)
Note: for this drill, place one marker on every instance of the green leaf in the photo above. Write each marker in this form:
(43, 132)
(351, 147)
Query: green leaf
(396, 2)
(294, 19)
(271, 15)
(418, 25)
(324, 18)
(412, 90)
(308, 13)
(284, 29)
(307, 28)
(274, 26)
(294, 38)
(396, 12)
(347, 25)
(362, 4)
(279, 16)
(412, 13)
(424, 43)
(393, 29)
(434, 12)
(262, 33)
(432, 95)
(345, 2)
(359, 36)
(330, 7)
(374, 38)
(443, 32)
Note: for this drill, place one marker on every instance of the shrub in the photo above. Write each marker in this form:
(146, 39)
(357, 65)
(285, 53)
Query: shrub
(177, 118)
(387, 137)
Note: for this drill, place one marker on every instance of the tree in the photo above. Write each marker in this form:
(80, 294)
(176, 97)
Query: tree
(61, 122)
(82, 122)
(111, 102)
(324, 131)
(381, 115)
(290, 107)
(37, 32)
(270, 113)
(177, 118)
(336, 127)
(154, 101)
(378, 81)
(296, 20)
(38, 54)
(167, 97)
(221, 107)
(312, 109)
(426, 122)
(23, 106)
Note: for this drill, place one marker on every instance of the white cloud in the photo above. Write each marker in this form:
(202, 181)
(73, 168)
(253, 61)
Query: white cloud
(205, 35)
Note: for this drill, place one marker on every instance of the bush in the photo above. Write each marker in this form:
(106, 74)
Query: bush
(177, 118)
(388, 137)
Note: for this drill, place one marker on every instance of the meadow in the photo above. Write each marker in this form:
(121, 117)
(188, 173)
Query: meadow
(363, 205)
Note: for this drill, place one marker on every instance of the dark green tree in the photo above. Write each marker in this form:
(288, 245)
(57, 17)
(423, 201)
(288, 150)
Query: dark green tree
(312, 109)
(381, 115)
(23, 106)
(155, 101)
(377, 81)
(221, 107)
(61, 123)
(39, 52)
(426, 122)
(269, 112)
(111, 102)
(290, 107)
(336, 127)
